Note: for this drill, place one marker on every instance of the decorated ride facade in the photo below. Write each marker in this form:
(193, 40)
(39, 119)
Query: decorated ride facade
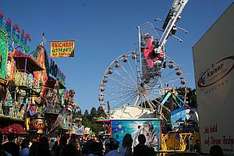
(55, 105)
(16, 70)
(32, 87)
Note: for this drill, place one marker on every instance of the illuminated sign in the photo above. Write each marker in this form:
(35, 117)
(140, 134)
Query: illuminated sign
(62, 48)
(17, 38)
(3, 54)
(216, 72)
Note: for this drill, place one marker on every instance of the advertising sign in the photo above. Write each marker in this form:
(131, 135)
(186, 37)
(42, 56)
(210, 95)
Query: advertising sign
(62, 48)
(55, 72)
(3, 54)
(149, 127)
(214, 75)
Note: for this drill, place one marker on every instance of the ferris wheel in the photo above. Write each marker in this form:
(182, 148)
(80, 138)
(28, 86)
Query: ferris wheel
(123, 84)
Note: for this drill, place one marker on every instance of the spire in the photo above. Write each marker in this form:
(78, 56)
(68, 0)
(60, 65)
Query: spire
(43, 40)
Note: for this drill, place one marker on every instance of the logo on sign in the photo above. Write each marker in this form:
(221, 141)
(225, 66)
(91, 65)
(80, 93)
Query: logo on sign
(216, 72)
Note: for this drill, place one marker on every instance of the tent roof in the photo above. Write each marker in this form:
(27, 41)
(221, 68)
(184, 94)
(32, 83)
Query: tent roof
(22, 59)
(133, 112)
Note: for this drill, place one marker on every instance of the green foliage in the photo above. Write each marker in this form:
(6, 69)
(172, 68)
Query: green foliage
(93, 112)
(89, 120)
(86, 114)
(101, 112)
(192, 98)
(77, 114)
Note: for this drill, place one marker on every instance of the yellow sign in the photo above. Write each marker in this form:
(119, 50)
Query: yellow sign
(62, 48)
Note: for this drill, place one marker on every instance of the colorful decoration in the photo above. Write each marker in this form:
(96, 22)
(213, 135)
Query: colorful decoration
(23, 79)
(32, 109)
(150, 54)
(13, 128)
(32, 93)
(149, 127)
(65, 117)
(3, 54)
(41, 77)
(38, 124)
(17, 38)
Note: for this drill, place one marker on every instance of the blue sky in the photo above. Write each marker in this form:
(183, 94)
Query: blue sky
(104, 29)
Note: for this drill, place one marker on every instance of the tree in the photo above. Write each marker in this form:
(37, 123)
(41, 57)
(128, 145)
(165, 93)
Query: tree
(101, 112)
(89, 120)
(77, 113)
(86, 114)
(93, 112)
(193, 99)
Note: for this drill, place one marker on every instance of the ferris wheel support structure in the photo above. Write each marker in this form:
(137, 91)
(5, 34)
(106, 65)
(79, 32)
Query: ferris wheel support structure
(139, 48)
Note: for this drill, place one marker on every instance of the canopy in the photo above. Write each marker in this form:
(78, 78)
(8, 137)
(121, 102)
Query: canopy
(13, 128)
(133, 112)
(25, 62)
(51, 83)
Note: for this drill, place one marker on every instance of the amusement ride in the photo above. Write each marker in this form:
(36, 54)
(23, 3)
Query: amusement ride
(145, 78)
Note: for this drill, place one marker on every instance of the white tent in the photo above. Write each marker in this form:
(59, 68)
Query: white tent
(131, 112)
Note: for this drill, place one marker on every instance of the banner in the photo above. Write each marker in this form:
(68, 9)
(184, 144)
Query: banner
(62, 48)
(3, 54)
(149, 127)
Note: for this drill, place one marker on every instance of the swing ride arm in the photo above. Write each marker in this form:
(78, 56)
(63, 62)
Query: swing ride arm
(169, 24)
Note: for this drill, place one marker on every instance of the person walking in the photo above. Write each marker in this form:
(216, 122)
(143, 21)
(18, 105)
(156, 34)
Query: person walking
(111, 148)
(24, 148)
(126, 148)
(11, 147)
(141, 149)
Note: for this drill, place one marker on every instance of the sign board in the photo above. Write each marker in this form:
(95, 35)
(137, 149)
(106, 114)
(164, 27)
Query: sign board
(3, 54)
(178, 116)
(214, 75)
(55, 72)
(62, 48)
(149, 127)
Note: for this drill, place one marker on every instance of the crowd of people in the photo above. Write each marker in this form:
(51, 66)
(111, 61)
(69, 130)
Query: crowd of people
(72, 145)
